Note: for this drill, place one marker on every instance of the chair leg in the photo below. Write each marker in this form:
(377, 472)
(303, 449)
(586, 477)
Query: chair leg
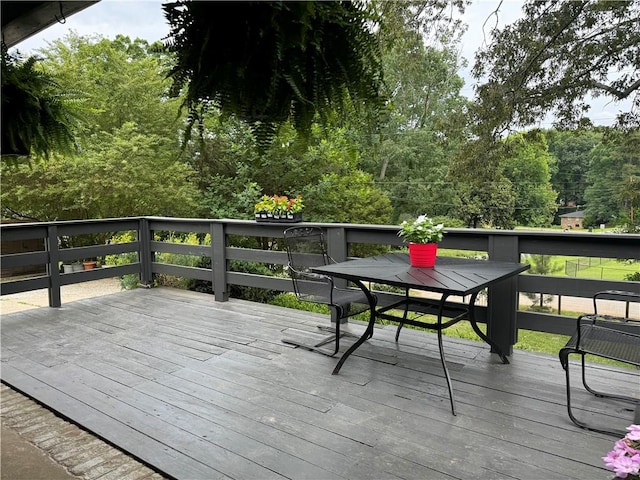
(316, 347)
(600, 394)
(570, 411)
(337, 334)
(368, 333)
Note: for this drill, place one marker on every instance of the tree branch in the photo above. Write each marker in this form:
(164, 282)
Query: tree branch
(17, 214)
(492, 14)
(549, 42)
(619, 94)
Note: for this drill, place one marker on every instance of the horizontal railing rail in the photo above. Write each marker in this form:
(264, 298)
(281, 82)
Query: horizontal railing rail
(344, 240)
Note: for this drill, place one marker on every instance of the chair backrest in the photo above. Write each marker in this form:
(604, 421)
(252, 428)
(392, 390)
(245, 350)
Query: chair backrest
(306, 248)
(620, 296)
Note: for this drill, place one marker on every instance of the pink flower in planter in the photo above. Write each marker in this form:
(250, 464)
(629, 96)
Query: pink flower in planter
(624, 459)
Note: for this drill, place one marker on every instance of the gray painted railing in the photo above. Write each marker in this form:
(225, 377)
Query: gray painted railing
(499, 244)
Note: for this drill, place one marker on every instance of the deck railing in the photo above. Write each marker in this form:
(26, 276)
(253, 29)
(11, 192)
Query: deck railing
(504, 245)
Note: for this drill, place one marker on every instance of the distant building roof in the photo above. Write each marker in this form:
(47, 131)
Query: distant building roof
(576, 214)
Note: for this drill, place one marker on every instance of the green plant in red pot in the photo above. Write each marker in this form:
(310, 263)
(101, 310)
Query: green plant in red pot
(423, 236)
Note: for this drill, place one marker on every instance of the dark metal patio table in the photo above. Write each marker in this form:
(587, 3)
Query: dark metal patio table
(450, 277)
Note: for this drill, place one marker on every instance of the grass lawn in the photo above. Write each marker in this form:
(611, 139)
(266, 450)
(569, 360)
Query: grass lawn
(605, 268)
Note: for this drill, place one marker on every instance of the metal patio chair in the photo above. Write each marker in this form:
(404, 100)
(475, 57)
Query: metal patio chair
(307, 248)
(615, 338)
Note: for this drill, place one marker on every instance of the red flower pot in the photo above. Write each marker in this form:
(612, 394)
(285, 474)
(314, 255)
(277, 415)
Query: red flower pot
(422, 254)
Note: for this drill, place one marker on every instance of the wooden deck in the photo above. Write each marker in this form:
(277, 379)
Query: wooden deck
(206, 390)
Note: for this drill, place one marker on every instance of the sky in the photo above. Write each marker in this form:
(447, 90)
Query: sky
(145, 19)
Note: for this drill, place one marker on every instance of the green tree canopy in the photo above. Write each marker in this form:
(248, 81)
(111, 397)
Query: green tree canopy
(613, 193)
(571, 148)
(125, 173)
(528, 169)
(129, 159)
(121, 79)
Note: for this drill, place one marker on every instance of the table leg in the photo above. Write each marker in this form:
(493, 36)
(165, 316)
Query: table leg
(441, 349)
(476, 329)
(368, 333)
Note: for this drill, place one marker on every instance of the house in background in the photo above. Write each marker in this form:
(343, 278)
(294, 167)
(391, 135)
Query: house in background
(572, 220)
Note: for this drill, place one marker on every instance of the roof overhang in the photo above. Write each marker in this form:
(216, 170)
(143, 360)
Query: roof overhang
(22, 19)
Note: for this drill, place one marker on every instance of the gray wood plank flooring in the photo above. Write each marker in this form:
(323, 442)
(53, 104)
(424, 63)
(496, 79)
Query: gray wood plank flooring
(207, 390)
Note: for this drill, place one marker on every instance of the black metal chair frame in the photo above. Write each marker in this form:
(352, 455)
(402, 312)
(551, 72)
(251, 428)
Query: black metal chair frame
(615, 338)
(316, 288)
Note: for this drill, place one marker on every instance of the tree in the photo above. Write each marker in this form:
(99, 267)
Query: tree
(528, 169)
(351, 198)
(126, 173)
(487, 203)
(487, 196)
(129, 159)
(571, 148)
(541, 265)
(267, 62)
(557, 55)
(421, 128)
(614, 191)
(121, 81)
(416, 174)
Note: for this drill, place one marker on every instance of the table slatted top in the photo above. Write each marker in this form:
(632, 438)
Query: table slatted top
(456, 276)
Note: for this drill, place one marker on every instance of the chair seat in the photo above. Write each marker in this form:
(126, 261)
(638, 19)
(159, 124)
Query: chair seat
(606, 342)
(341, 295)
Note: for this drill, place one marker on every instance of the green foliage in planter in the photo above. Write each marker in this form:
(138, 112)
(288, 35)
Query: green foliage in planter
(265, 62)
(37, 116)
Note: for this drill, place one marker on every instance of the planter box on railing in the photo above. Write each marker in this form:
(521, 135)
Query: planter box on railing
(269, 218)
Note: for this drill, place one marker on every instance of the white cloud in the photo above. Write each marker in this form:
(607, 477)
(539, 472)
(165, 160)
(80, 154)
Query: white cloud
(108, 18)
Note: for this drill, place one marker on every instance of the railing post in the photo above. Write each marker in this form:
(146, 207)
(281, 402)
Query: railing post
(144, 254)
(219, 261)
(53, 266)
(503, 297)
(337, 244)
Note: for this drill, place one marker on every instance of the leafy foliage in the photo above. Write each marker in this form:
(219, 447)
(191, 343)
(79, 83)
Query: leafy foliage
(121, 81)
(528, 169)
(128, 163)
(416, 167)
(486, 195)
(266, 62)
(555, 56)
(124, 174)
(38, 116)
(569, 174)
(614, 180)
(348, 198)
